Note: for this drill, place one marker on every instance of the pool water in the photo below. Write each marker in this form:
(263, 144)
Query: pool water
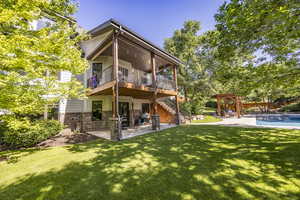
(278, 120)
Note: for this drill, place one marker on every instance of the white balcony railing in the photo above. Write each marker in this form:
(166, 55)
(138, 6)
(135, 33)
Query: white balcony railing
(140, 78)
(165, 83)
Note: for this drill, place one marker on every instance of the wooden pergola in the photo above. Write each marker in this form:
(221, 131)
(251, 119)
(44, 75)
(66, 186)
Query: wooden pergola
(236, 102)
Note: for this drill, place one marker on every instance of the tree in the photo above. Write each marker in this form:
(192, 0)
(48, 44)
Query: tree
(30, 59)
(264, 36)
(193, 77)
(270, 28)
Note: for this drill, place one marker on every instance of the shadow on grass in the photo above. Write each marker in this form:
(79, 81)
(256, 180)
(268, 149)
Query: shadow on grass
(189, 162)
(13, 156)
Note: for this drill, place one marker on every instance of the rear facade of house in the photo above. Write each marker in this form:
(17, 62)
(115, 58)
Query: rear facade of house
(127, 78)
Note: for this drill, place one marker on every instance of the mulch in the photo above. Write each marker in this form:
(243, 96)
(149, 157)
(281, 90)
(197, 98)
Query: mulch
(66, 137)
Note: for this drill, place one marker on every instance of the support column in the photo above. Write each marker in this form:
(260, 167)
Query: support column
(116, 130)
(46, 112)
(155, 117)
(176, 97)
(241, 106)
(218, 106)
(237, 109)
(131, 114)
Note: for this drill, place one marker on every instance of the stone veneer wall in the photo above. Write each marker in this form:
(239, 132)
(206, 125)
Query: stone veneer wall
(83, 121)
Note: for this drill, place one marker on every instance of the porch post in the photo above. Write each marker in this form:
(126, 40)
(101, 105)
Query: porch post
(131, 113)
(155, 116)
(238, 110)
(176, 97)
(116, 122)
(218, 106)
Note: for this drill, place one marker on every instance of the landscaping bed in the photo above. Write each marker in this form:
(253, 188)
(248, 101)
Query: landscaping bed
(66, 137)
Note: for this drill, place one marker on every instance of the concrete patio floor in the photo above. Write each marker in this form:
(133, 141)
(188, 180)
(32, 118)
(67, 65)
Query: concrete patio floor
(131, 132)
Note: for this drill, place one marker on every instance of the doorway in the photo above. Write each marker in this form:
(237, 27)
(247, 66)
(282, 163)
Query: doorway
(124, 113)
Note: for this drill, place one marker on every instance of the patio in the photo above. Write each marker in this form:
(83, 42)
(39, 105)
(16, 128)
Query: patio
(131, 132)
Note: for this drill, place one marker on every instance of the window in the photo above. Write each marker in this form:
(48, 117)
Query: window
(97, 68)
(96, 110)
(123, 74)
(97, 72)
(145, 108)
(146, 78)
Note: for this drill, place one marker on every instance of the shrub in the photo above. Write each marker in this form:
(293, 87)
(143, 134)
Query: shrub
(29, 133)
(295, 107)
(2, 130)
(211, 104)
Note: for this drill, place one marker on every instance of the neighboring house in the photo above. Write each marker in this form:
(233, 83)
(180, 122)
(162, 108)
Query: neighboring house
(128, 77)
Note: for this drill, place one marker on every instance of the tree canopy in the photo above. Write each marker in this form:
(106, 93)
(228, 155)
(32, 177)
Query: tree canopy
(31, 58)
(266, 33)
(193, 76)
(253, 51)
(272, 27)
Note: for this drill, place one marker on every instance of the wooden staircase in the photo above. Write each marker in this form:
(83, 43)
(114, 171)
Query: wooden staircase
(170, 106)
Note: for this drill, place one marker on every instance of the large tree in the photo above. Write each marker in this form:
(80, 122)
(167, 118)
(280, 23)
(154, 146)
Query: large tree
(265, 36)
(31, 58)
(193, 76)
(270, 27)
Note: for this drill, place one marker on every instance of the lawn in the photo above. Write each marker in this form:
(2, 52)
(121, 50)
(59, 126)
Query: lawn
(188, 162)
(207, 119)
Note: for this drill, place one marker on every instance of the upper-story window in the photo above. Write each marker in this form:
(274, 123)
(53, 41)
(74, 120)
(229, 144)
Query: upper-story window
(123, 74)
(146, 78)
(96, 74)
(97, 69)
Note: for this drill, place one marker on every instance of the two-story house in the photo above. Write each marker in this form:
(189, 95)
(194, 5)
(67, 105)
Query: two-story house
(127, 77)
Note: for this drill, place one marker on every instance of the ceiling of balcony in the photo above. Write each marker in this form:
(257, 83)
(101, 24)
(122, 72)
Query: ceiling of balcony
(139, 57)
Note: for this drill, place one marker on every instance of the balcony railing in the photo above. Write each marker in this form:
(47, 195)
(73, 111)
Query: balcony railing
(165, 83)
(140, 78)
(95, 81)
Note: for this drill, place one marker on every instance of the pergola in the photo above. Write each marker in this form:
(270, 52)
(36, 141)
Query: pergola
(226, 97)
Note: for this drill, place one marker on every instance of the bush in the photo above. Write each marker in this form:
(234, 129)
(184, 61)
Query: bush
(251, 110)
(211, 104)
(295, 107)
(29, 134)
(2, 130)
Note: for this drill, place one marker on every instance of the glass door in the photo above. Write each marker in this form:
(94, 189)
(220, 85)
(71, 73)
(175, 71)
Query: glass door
(124, 113)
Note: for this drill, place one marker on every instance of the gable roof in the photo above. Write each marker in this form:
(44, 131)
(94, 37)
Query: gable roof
(113, 24)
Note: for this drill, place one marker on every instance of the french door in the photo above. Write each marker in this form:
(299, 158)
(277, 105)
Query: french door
(124, 113)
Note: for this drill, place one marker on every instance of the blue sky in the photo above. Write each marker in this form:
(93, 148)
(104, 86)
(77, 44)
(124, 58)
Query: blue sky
(153, 19)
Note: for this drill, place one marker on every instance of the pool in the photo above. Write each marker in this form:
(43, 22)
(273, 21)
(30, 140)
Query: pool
(278, 120)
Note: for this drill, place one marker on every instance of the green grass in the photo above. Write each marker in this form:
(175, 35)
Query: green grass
(207, 119)
(188, 162)
(209, 110)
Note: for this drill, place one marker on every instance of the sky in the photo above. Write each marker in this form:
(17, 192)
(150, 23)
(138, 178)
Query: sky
(155, 20)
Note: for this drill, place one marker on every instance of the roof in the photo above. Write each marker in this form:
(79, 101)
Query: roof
(111, 23)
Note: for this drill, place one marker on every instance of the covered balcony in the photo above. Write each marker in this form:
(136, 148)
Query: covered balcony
(125, 64)
(137, 78)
